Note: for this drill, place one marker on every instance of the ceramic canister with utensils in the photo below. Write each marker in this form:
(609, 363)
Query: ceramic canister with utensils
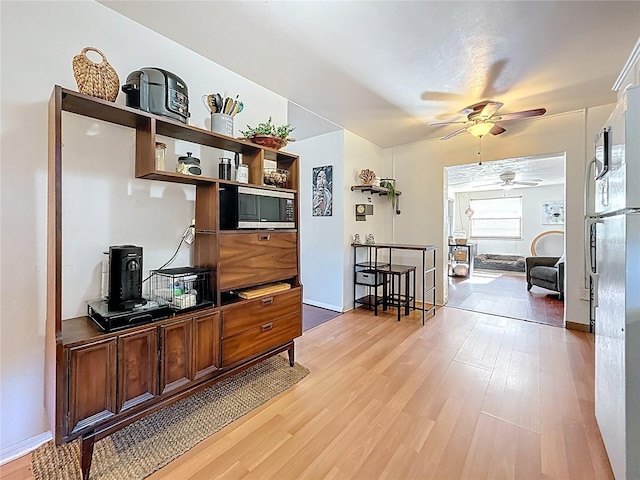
(222, 112)
(222, 123)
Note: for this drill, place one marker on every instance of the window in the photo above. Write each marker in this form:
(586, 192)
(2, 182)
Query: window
(496, 217)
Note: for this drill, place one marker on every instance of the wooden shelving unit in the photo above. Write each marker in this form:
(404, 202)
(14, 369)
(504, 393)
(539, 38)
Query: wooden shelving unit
(137, 370)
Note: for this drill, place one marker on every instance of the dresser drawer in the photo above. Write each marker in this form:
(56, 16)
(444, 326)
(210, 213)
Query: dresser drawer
(248, 259)
(253, 313)
(258, 340)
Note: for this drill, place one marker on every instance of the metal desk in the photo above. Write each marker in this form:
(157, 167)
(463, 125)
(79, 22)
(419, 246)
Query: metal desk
(373, 264)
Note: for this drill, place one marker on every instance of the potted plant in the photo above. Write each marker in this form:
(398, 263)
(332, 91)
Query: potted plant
(268, 135)
(389, 184)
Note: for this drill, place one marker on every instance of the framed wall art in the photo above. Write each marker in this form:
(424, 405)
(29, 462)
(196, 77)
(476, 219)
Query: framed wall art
(553, 213)
(322, 205)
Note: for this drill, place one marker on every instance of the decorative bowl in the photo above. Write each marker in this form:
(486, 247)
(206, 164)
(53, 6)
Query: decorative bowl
(275, 177)
(269, 141)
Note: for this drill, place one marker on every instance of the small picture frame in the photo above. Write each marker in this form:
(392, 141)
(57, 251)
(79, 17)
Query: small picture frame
(553, 213)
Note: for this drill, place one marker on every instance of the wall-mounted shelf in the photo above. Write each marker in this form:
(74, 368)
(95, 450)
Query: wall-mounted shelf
(373, 189)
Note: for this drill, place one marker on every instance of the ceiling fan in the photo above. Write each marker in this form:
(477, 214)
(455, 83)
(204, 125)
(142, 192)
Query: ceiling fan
(508, 180)
(481, 119)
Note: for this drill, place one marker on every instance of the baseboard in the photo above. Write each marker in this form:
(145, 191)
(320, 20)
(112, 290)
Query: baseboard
(322, 305)
(21, 449)
(581, 327)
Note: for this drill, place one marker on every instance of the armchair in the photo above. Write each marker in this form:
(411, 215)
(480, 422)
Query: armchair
(546, 272)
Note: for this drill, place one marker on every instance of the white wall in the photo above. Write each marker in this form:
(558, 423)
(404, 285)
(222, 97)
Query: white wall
(532, 200)
(103, 203)
(419, 168)
(358, 155)
(321, 238)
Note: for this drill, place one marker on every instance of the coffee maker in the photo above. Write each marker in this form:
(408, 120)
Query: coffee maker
(125, 277)
(122, 304)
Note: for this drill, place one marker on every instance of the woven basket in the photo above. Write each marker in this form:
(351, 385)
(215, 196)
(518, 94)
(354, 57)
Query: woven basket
(460, 255)
(95, 79)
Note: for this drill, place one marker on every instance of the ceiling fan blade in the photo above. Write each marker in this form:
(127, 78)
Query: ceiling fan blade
(445, 123)
(453, 134)
(489, 110)
(476, 107)
(497, 130)
(528, 184)
(523, 114)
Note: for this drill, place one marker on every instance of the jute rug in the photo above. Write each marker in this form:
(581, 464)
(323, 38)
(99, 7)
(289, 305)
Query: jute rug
(147, 445)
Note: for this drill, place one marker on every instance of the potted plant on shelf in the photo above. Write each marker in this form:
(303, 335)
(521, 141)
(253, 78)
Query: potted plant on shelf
(389, 184)
(268, 135)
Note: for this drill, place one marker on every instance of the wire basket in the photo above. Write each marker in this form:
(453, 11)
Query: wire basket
(276, 177)
(184, 287)
(96, 79)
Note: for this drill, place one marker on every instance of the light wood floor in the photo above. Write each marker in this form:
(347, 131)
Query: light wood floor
(467, 396)
(505, 294)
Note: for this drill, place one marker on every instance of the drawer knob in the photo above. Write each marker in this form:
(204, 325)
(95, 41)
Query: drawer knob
(264, 237)
(267, 301)
(266, 327)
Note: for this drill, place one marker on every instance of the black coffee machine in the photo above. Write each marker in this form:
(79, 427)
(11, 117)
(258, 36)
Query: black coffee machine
(125, 277)
(124, 305)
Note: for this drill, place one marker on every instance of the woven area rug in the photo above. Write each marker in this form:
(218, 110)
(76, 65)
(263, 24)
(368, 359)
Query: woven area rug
(147, 445)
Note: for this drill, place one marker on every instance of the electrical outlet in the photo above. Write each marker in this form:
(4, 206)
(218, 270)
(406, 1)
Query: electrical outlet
(584, 294)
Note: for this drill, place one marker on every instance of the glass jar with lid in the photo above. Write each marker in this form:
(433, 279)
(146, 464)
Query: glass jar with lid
(161, 152)
(188, 165)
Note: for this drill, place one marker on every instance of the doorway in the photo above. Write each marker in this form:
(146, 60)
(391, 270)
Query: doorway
(496, 211)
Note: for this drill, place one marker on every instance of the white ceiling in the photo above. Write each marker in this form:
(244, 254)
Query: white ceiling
(386, 69)
(476, 177)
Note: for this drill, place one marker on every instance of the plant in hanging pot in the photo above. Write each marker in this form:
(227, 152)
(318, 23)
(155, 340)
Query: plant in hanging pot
(268, 135)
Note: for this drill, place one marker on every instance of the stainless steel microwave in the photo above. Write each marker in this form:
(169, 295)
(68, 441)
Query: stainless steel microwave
(251, 207)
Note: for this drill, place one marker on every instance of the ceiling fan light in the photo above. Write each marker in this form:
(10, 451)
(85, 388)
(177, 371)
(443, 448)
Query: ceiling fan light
(480, 129)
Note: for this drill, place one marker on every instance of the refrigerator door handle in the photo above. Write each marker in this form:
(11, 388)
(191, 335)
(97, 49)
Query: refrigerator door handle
(587, 186)
(589, 221)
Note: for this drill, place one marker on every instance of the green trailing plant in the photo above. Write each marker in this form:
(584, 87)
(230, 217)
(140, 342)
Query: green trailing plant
(268, 128)
(391, 189)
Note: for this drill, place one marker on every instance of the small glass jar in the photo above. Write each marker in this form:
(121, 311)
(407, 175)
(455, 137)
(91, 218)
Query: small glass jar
(161, 152)
(188, 165)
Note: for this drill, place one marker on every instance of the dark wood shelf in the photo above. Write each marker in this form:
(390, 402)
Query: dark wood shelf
(99, 109)
(373, 189)
(174, 177)
(81, 330)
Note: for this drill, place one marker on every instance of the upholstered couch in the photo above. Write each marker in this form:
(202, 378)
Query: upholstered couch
(546, 272)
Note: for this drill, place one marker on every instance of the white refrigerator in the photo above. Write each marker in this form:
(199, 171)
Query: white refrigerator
(616, 284)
